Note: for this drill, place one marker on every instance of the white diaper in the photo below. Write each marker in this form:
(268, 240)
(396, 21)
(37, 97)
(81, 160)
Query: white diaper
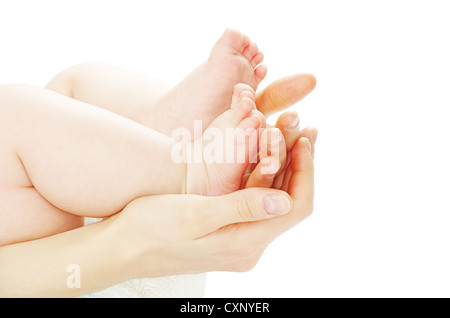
(180, 286)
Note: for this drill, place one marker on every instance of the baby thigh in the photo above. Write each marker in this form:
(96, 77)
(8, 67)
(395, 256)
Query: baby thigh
(24, 214)
(81, 158)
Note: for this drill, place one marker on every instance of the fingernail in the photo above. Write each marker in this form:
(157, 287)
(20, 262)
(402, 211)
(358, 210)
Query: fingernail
(307, 143)
(276, 204)
(270, 165)
(294, 123)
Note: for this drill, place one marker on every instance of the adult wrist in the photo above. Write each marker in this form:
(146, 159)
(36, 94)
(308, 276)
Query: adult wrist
(135, 255)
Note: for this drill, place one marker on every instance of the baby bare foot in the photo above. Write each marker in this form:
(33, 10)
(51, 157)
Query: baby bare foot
(206, 92)
(226, 147)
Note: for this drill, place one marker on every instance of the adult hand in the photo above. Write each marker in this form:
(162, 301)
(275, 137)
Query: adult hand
(282, 168)
(178, 234)
(161, 235)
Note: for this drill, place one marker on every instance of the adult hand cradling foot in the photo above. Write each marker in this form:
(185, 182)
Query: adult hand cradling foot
(226, 233)
(198, 234)
(185, 234)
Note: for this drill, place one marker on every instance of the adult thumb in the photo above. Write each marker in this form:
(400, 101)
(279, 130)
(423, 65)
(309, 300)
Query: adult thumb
(247, 205)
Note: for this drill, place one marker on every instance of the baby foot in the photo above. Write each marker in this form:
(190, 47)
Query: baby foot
(228, 145)
(205, 93)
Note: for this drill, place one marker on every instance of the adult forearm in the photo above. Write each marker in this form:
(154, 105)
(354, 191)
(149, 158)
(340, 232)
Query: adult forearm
(70, 264)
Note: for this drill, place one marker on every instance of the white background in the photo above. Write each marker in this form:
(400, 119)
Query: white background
(382, 213)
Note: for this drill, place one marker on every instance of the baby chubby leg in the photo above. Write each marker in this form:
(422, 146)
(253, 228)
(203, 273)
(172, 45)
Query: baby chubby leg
(124, 92)
(81, 158)
(203, 95)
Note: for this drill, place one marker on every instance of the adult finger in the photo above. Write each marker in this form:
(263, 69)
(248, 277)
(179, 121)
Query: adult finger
(264, 173)
(301, 190)
(284, 93)
(281, 180)
(310, 133)
(288, 123)
(272, 159)
(301, 183)
(272, 143)
(254, 204)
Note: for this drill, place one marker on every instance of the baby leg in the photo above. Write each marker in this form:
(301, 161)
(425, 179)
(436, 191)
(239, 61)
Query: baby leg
(25, 215)
(203, 95)
(83, 159)
(124, 92)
